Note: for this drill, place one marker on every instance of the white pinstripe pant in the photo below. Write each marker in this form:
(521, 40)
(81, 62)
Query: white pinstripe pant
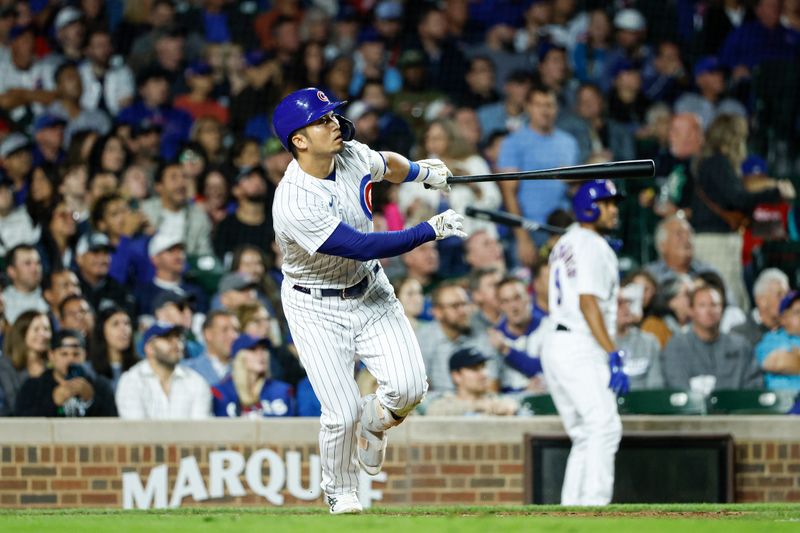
(330, 333)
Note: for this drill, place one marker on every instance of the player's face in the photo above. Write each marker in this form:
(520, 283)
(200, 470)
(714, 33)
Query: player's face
(609, 215)
(322, 137)
(515, 303)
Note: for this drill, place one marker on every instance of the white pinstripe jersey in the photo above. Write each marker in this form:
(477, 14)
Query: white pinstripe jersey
(306, 210)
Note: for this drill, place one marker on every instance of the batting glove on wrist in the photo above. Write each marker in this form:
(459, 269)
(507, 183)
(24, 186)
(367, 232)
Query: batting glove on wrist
(433, 173)
(619, 380)
(448, 224)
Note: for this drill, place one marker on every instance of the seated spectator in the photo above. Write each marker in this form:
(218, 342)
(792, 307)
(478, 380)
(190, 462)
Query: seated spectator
(220, 329)
(778, 353)
(107, 84)
(111, 351)
(472, 394)
(66, 388)
(214, 195)
(642, 361)
(704, 359)
(173, 307)
(665, 77)
(771, 286)
(235, 289)
(710, 99)
(74, 312)
(198, 102)
(507, 115)
(171, 211)
(450, 331)
(251, 223)
(256, 321)
(670, 311)
(153, 103)
(16, 161)
(518, 338)
(483, 292)
(16, 225)
(93, 255)
(409, 293)
(168, 256)
(250, 390)
(69, 89)
(675, 246)
(732, 315)
(56, 287)
(9, 386)
(422, 264)
(24, 270)
(627, 103)
(483, 250)
(26, 343)
(590, 58)
(157, 388)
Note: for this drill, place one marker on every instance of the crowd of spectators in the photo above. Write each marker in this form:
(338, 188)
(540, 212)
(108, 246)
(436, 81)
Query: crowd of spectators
(138, 168)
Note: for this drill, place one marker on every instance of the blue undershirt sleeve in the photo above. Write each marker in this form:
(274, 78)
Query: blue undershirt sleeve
(521, 361)
(346, 241)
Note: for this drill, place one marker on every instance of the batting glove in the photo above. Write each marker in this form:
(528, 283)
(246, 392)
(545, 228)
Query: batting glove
(433, 173)
(448, 224)
(619, 380)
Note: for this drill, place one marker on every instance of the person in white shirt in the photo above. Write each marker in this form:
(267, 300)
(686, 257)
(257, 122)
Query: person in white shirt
(24, 269)
(157, 388)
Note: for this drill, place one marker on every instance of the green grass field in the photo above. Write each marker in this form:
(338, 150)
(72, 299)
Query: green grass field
(612, 519)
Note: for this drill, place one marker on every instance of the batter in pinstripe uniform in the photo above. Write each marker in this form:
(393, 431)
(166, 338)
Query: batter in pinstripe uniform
(336, 298)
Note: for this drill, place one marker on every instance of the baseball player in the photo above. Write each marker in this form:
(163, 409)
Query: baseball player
(336, 298)
(581, 363)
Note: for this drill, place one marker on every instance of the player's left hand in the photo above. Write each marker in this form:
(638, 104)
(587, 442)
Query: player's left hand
(619, 380)
(448, 224)
(434, 174)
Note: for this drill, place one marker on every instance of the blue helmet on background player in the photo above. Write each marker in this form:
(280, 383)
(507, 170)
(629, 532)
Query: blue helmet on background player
(584, 203)
(301, 108)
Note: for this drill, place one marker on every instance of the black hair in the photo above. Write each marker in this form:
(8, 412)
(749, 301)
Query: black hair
(67, 299)
(98, 347)
(162, 168)
(11, 256)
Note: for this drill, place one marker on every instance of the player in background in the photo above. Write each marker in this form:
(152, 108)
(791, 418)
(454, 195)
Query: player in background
(337, 300)
(581, 363)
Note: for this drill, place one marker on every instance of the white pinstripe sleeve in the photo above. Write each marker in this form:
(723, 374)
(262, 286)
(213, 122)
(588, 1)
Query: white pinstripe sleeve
(374, 160)
(307, 219)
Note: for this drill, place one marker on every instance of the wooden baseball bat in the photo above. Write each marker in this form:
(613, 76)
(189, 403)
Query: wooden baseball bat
(639, 168)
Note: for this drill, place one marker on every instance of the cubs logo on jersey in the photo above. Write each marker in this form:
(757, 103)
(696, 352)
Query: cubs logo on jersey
(365, 195)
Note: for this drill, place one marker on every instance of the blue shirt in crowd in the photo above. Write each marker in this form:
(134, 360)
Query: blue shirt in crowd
(526, 149)
(775, 340)
(276, 399)
(752, 43)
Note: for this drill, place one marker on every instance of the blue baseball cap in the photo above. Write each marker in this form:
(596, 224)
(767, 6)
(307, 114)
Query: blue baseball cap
(160, 329)
(48, 121)
(754, 165)
(246, 342)
(369, 35)
(256, 58)
(18, 31)
(198, 68)
(707, 64)
(623, 65)
(466, 357)
(788, 300)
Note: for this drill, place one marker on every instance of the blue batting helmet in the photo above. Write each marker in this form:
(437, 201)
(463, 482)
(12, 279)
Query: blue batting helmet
(301, 108)
(584, 203)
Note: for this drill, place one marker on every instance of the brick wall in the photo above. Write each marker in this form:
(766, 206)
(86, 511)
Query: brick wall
(455, 462)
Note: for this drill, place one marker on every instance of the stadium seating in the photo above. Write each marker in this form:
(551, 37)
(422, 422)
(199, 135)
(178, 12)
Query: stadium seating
(662, 402)
(750, 402)
(539, 404)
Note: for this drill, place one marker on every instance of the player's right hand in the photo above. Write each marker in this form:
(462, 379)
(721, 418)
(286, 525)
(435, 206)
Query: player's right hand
(619, 379)
(448, 224)
(433, 173)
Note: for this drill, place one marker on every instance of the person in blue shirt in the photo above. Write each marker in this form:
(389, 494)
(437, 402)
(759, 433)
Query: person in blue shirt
(778, 353)
(249, 390)
(154, 104)
(539, 145)
(760, 40)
